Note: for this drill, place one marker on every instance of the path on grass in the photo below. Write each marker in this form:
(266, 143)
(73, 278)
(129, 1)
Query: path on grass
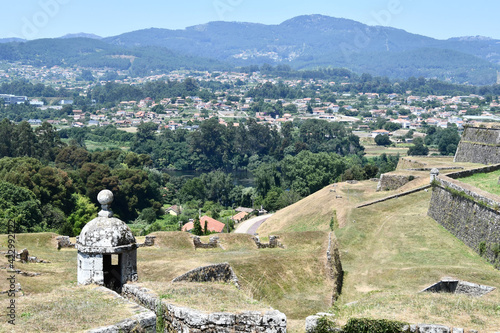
(250, 226)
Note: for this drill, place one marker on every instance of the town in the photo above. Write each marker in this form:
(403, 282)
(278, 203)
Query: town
(230, 101)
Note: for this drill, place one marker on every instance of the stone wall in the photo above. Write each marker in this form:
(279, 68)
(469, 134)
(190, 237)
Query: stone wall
(390, 182)
(334, 266)
(273, 242)
(472, 215)
(64, 241)
(479, 145)
(144, 321)
(212, 273)
(212, 243)
(181, 319)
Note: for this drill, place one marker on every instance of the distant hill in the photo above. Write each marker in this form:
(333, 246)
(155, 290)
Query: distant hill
(81, 35)
(316, 40)
(11, 40)
(95, 53)
(303, 42)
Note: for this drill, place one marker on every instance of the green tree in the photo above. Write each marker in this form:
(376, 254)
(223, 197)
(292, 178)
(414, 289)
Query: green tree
(20, 206)
(197, 227)
(418, 148)
(382, 140)
(84, 212)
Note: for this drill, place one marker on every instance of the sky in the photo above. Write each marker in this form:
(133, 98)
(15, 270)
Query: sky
(441, 19)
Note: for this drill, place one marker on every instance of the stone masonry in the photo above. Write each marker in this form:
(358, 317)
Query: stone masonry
(212, 243)
(273, 242)
(479, 145)
(472, 215)
(181, 319)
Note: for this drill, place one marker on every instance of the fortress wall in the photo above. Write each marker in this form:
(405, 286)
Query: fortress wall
(479, 145)
(472, 215)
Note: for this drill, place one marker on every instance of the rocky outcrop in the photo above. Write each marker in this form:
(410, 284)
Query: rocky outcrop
(212, 273)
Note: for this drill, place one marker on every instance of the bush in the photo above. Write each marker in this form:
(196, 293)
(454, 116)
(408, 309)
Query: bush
(365, 325)
(324, 325)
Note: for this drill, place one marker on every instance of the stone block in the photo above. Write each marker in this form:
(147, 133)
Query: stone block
(427, 328)
(222, 318)
(274, 318)
(250, 318)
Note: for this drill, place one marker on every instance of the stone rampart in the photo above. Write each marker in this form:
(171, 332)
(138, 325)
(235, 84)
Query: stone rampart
(390, 182)
(479, 145)
(472, 215)
(181, 319)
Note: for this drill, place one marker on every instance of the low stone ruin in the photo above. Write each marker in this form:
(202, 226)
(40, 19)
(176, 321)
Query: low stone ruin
(212, 243)
(453, 286)
(17, 289)
(24, 255)
(212, 273)
(149, 241)
(63, 241)
(273, 242)
(390, 182)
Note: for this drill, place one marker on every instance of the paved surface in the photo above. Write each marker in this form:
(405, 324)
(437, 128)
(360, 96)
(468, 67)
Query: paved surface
(250, 226)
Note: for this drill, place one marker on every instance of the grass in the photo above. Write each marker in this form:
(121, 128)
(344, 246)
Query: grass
(67, 309)
(391, 253)
(373, 150)
(485, 181)
(217, 297)
(292, 280)
(93, 145)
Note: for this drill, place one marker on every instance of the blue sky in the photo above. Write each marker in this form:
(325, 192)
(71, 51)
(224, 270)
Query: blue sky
(32, 19)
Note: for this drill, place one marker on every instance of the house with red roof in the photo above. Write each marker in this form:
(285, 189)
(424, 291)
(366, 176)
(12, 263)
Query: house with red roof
(212, 225)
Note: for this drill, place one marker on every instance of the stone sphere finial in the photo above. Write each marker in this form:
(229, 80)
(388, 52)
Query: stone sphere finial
(105, 198)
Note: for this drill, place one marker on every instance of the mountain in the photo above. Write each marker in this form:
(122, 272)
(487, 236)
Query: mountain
(315, 40)
(81, 35)
(95, 53)
(11, 40)
(303, 42)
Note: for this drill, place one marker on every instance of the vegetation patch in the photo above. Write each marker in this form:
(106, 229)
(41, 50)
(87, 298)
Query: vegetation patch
(365, 325)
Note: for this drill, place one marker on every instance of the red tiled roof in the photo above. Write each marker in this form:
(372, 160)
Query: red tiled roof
(212, 225)
(240, 216)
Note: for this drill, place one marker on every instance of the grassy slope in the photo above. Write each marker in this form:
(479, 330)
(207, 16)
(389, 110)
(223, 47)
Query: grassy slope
(391, 251)
(485, 181)
(52, 300)
(292, 280)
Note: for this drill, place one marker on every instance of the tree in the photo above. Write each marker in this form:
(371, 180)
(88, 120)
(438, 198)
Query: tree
(19, 205)
(85, 211)
(383, 140)
(197, 227)
(418, 148)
